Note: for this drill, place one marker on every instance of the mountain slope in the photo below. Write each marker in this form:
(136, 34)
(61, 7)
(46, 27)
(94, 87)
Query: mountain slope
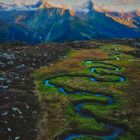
(56, 24)
(130, 19)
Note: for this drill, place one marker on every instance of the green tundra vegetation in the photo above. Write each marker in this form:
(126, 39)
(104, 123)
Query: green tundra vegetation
(90, 95)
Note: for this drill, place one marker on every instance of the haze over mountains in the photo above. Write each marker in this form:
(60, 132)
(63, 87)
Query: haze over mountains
(44, 22)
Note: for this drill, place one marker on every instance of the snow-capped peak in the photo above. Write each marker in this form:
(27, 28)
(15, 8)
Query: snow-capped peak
(86, 7)
(4, 6)
(8, 7)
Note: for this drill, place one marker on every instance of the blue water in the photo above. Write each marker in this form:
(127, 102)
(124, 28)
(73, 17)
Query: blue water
(48, 84)
(122, 79)
(62, 90)
(113, 136)
(93, 79)
(92, 70)
(110, 99)
(78, 107)
(117, 68)
(73, 136)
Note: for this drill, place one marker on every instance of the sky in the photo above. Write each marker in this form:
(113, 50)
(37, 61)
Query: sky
(125, 5)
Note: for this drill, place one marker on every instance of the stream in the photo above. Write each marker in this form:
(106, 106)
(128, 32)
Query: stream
(117, 131)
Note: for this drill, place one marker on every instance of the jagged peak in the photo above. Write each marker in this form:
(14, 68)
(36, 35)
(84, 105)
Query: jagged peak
(126, 18)
(88, 5)
(136, 12)
(46, 4)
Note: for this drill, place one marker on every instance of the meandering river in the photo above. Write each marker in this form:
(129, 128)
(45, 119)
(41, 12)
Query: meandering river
(117, 131)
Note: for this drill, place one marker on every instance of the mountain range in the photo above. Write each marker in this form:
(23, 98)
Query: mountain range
(43, 22)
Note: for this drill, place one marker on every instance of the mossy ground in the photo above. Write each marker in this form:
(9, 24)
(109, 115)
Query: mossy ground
(58, 112)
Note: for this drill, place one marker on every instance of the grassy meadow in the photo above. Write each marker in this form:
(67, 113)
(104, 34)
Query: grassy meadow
(59, 116)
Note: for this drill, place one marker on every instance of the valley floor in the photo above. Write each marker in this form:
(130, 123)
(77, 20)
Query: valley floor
(91, 94)
(76, 90)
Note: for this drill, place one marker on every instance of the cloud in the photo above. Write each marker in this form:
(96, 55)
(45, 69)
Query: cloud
(122, 5)
(125, 2)
(115, 4)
